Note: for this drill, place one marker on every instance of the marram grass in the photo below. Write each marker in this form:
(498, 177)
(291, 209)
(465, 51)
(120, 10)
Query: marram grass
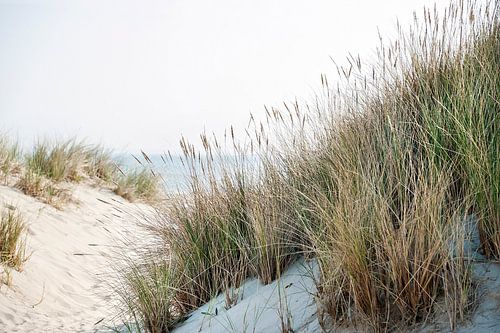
(43, 172)
(137, 184)
(12, 238)
(70, 161)
(374, 179)
(9, 156)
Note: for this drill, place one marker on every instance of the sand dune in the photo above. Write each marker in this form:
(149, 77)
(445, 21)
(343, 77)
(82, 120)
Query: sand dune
(64, 286)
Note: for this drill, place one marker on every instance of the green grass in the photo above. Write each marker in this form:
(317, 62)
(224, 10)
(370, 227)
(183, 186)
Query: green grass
(374, 179)
(12, 238)
(52, 163)
(99, 164)
(70, 161)
(149, 295)
(32, 184)
(137, 184)
(9, 156)
(74, 161)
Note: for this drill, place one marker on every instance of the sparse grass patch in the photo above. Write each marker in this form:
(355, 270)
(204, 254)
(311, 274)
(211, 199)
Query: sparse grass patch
(9, 157)
(39, 187)
(32, 184)
(12, 238)
(137, 185)
(52, 163)
(100, 164)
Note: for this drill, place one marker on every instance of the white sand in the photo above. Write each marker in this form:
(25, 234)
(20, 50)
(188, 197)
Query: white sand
(64, 284)
(259, 307)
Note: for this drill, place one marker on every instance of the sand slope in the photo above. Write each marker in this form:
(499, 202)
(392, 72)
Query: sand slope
(260, 308)
(64, 284)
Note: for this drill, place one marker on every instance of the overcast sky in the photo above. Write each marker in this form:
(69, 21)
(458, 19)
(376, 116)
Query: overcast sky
(139, 74)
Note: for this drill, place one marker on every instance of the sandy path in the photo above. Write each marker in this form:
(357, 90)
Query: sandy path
(64, 286)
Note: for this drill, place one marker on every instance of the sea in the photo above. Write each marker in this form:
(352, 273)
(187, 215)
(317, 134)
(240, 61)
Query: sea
(174, 172)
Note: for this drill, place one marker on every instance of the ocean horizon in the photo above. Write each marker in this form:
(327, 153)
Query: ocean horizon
(173, 170)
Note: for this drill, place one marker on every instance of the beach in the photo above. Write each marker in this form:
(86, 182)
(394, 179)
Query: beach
(159, 173)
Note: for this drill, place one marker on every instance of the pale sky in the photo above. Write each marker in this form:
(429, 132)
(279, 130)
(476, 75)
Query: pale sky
(139, 74)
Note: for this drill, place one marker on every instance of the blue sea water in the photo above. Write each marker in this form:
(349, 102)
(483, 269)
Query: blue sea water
(173, 171)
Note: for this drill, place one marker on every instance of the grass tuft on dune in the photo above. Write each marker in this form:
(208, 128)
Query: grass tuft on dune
(12, 238)
(137, 184)
(70, 161)
(9, 157)
(46, 171)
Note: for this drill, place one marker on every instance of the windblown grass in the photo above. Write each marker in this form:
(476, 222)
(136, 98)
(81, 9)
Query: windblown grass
(208, 247)
(52, 163)
(374, 179)
(37, 186)
(9, 156)
(56, 162)
(137, 184)
(74, 161)
(149, 296)
(99, 164)
(70, 161)
(12, 238)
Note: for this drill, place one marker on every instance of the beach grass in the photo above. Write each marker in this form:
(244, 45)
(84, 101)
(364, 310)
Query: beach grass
(50, 166)
(148, 291)
(57, 162)
(37, 186)
(374, 179)
(70, 160)
(10, 154)
(12, 238)
(99, 163)
(141, 184)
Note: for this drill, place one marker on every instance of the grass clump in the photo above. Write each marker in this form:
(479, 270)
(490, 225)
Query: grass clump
(50, 164)
(211, 231)
(73, 161)
(374, 179)
(397, 173)
(56, 162)
(70, 161)
(137, 184)
(12, 238)
(149, 297)
(9, 156)
(100, 164)
(275, 238)
(37, 186)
